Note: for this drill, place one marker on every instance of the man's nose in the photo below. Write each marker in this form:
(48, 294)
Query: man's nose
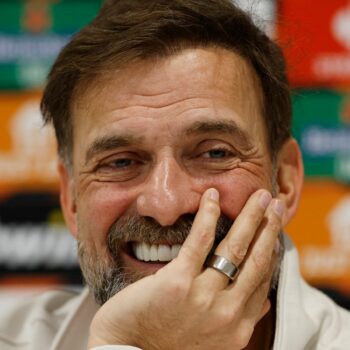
(168, 193)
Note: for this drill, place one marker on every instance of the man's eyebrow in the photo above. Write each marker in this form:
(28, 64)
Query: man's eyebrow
(228, 127)
(108, 143)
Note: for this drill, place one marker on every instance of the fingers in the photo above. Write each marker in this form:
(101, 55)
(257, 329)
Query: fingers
(260, 258)
(248, 313)
(235, 245)
(259, 304)
(196, 248)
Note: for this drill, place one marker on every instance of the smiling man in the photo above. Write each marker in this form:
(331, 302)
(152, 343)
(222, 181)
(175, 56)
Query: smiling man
(178, 173)
(150, 151)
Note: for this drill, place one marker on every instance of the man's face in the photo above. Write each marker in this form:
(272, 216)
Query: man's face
(148, 141)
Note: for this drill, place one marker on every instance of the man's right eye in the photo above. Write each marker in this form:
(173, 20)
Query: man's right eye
(120, 167)
(123, 162)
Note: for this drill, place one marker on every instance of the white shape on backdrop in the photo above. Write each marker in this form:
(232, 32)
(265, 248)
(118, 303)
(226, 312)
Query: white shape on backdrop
(33, 148)
(263, 13)
(37, 246)
(340, 26)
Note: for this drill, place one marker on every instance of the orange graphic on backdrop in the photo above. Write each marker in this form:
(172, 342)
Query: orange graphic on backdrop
(28, 158)
(321, 231)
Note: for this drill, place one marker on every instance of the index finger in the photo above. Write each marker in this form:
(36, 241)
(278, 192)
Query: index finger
(199, 242)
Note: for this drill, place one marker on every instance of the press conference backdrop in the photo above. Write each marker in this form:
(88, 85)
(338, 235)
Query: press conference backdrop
(36, 250)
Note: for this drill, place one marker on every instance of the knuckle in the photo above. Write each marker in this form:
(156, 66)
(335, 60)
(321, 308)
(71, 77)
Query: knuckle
(224, 317)
(237, 250)
(261, 261)
(244, 335)
(204, 240)
(177, 288)
(255, 217)
(201, 301)
(274, 223)
(213, 208)
(205, 237)
(274, 226)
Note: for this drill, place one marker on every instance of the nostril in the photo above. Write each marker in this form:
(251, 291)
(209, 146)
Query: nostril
(189, 216)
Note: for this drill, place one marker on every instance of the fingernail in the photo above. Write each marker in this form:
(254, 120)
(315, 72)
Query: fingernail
(214, 194)
(278, 207)
(265, 199)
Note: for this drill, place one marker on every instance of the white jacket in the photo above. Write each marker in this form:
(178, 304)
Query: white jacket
(306, 318)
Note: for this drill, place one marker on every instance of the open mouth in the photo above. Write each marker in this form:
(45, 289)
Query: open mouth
(154, 252)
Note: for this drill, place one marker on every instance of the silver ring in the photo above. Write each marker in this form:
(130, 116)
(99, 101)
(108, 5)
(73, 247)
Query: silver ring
(223, 265)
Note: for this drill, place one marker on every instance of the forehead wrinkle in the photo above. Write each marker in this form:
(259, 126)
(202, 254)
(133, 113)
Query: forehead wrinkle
(110, 142)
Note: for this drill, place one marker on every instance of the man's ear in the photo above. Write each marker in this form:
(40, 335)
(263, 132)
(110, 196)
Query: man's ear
(290, 177)
(67, 198)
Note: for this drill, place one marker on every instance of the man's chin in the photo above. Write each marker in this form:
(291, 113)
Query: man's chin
(106, 280)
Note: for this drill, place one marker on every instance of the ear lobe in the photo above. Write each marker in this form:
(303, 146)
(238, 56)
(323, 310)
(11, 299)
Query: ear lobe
(67, 198)
(290, 177)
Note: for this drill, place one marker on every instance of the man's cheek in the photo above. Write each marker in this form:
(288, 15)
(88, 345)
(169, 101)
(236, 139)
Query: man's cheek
(100, 207)
(236, 186)
(232, 200)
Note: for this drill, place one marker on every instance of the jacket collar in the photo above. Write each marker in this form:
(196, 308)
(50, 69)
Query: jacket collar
(294, 327)
(74, 332)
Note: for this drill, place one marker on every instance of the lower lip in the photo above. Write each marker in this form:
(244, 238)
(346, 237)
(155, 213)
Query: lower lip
(148, 267)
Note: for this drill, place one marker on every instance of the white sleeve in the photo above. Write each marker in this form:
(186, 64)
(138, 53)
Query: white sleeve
(115, 347)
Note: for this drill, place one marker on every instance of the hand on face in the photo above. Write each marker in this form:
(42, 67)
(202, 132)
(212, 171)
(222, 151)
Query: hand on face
(186, 306)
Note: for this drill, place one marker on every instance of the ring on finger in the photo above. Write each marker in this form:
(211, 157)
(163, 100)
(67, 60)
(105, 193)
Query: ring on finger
(223, 265)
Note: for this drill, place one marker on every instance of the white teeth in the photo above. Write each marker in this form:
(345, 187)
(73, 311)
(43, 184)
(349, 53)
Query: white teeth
(145, 252)
(175, 250)
(164, 253)
(154, 252)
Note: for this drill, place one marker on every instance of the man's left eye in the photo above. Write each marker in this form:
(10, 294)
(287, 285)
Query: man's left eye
(216, 153)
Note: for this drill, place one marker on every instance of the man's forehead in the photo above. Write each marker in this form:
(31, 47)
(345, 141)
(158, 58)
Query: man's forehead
(200, 71)
(153, 97)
